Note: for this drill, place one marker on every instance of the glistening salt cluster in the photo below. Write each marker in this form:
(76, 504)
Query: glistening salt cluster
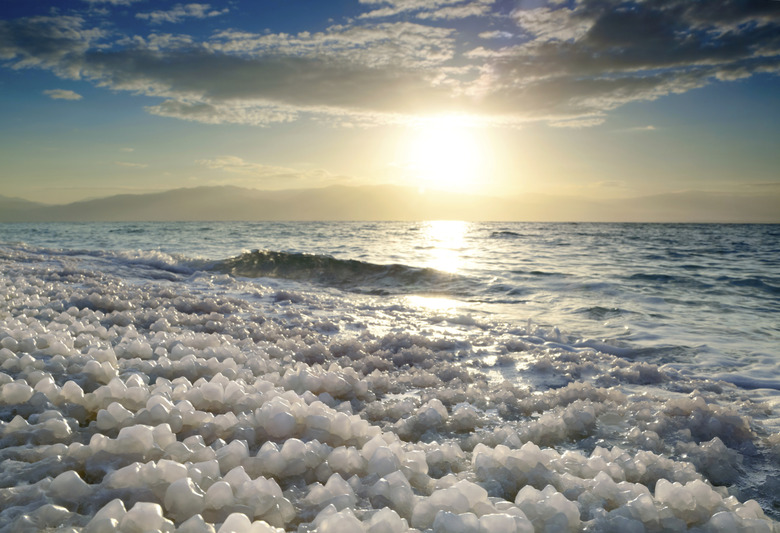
(206, 403)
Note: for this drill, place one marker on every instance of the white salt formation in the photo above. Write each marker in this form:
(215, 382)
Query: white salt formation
(224, 406)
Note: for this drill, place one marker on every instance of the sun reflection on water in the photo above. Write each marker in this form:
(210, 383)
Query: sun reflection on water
(434, 303)
(445, 242)
(442, 245)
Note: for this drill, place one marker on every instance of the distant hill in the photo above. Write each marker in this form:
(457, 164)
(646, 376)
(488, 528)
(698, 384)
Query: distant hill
(385, 202)
(15, 205)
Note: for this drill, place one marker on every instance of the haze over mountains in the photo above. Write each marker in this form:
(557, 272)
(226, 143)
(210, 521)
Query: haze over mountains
(392, 203)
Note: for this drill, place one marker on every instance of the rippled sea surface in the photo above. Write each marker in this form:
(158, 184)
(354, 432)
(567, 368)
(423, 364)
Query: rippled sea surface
(701, 296)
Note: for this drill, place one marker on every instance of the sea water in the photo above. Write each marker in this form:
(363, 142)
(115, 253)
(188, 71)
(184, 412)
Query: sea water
(641, 354)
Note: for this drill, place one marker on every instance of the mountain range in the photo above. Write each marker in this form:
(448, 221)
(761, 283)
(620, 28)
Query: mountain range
(387, 202)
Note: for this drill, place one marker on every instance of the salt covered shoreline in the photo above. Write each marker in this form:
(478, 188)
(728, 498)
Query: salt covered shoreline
(223, 405)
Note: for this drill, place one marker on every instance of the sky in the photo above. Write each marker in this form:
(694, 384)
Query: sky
(597, 99)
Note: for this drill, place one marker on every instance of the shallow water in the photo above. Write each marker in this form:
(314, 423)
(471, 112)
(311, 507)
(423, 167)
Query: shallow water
(657, 344)
(702, 296)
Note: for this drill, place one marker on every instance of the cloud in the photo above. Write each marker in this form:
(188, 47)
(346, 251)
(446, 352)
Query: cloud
(251, 113)
(58, 44)
(62, 94)
(130, 165)
(428, 9)
(270, 176)
(496, 34)
(565, 63)
(231, 163)
(649, 127)
(181, 11)
(577, 123)
(113, 2)
(262, 79)
(373, 45)
(599, 55)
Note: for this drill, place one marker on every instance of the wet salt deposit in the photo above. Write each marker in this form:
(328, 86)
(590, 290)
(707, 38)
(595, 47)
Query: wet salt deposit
(138, 399)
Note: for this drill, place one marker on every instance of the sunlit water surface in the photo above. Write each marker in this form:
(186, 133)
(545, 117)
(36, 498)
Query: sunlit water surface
(702, 296)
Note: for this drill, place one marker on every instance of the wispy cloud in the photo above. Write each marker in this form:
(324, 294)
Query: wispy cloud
(130, 165)
(576, 123)
(231, 163)
(496, 34)
(649, 127)
(428, 9)
(269, 176)
(62, 94)
(113, 2)
(180, 12)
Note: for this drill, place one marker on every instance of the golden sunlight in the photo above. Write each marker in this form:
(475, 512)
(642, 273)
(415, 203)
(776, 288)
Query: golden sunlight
(434, 303)
(446, 153)
(445, 240)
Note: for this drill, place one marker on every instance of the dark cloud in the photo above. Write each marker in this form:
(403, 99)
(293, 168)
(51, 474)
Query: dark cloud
(49, 42)
(600, 54)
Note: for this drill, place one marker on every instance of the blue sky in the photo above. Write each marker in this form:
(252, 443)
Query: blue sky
(585, 98)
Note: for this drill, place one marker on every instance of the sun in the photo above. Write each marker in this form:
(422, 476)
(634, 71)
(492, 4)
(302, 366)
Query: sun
(445, 153)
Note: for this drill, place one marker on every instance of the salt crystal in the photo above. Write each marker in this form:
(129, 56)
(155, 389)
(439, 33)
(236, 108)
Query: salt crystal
(219, 495)
(183, 499)
(135, 439)
(69, 486)
(723, 522)
(170, 471)
(279, 424)
(128, 476)
(145, 516)
(643, 508)
(16, 393)
(195, 524)
(237, 477)
(446, 522)
(230, 456)
(341, 522)
(473, 492)
(386, 521)
(383, 461)
(499, 523)
(236, 523)
(102, 525)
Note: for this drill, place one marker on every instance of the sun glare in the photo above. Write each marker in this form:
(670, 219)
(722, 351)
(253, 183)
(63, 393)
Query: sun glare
(445, 153)
(445, 240)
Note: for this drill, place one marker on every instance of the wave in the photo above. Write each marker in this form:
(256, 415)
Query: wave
(753, 283)
(598, 312)
(349, 274)
(538, 273)
(505, 234)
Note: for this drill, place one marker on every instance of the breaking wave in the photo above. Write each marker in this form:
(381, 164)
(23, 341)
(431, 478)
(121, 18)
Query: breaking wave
(348, 274)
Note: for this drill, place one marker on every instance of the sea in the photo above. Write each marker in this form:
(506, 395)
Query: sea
(667, 334)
